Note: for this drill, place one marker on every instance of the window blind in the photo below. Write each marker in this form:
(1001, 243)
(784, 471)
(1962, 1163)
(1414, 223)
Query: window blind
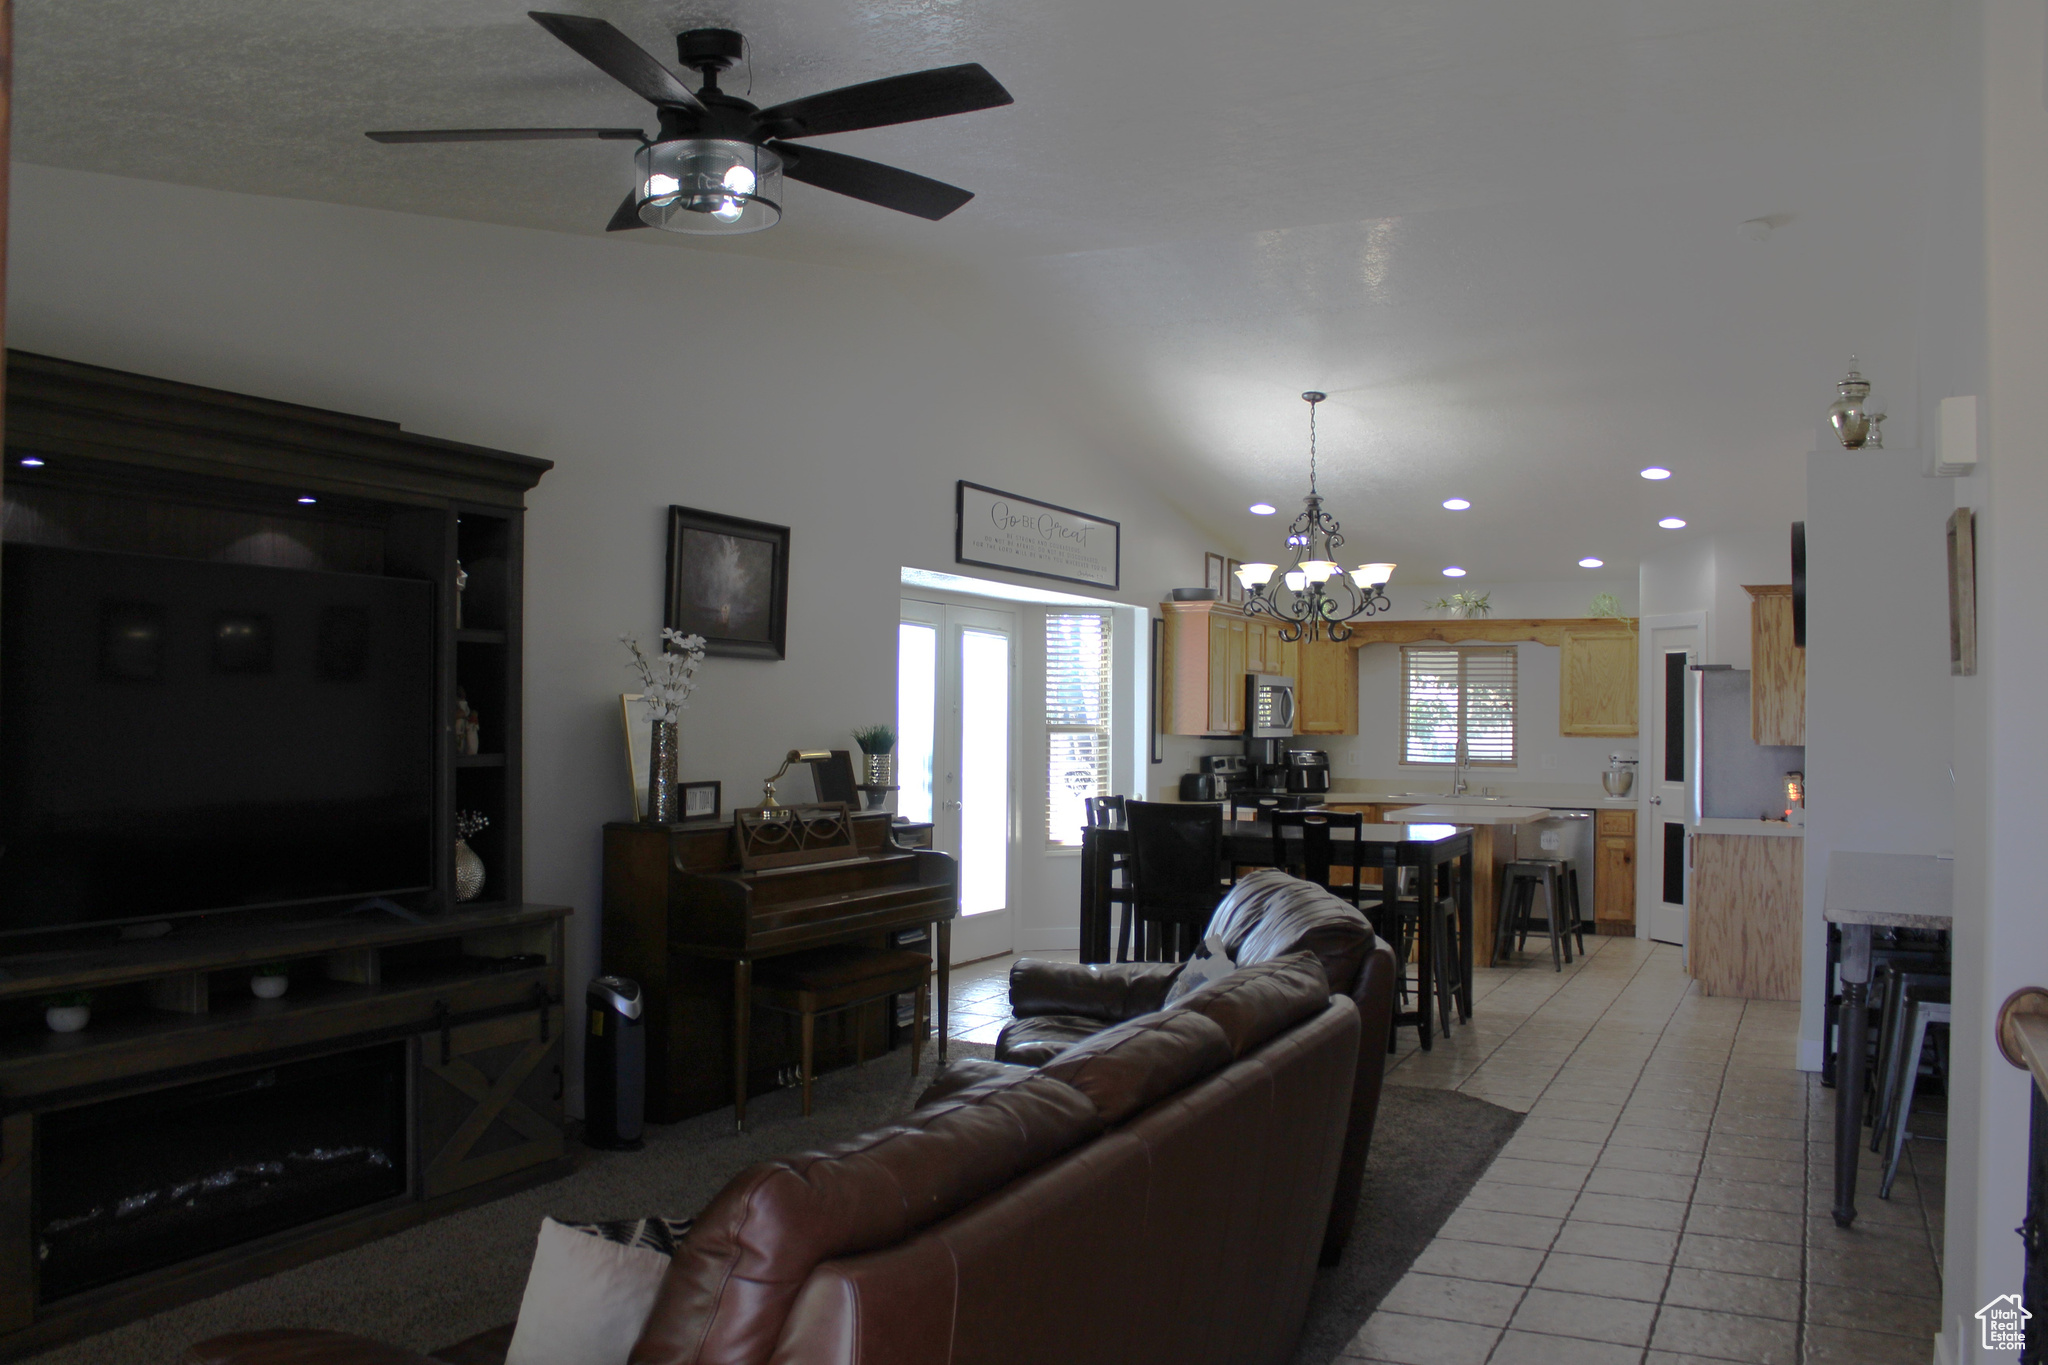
(1458, 702)
(1076, 720)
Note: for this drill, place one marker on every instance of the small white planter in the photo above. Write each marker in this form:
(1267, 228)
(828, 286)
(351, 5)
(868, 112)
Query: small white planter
(67, 1018)
(269, 987)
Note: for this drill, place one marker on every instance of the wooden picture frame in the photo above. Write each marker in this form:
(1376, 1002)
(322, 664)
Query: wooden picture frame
(1158, 723)
(700, 800)
(1212, 573)
(638, 732)
(728, 581)
(1233, 587)
(1962, 593)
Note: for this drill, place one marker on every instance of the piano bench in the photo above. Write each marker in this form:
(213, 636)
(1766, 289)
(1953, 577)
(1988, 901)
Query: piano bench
(842, 977)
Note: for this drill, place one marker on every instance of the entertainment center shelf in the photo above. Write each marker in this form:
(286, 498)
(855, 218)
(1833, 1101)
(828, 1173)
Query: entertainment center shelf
(418, 1047)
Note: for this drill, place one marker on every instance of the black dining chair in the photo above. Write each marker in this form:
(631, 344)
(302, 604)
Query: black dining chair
(1311, 853)
(1175, 874)
(1107, 812)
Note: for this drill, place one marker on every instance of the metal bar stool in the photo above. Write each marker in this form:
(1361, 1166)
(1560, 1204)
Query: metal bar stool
(1519, 882)
(1928, 1009)
(836, 978)
(1895, 980)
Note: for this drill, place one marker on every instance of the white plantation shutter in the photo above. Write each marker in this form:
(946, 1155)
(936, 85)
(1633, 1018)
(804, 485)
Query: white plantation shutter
(1076, 719)
(1449, 695)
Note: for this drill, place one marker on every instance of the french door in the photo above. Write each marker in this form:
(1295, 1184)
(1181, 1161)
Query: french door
(955, 722)
(1669, 766)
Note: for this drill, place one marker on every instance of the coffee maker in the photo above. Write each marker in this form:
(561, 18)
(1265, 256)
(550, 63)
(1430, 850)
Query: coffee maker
(1308, 770)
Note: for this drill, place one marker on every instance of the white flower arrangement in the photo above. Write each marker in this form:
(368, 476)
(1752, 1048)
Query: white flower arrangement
(667, 681)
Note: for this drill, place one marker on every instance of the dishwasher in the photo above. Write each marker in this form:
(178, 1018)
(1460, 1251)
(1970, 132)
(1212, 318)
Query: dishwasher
(1566, 834)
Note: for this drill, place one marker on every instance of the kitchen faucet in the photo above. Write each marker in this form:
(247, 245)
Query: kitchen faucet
(1458, 771)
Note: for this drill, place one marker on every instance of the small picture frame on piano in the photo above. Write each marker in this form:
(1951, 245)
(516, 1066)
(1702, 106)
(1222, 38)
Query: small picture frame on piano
(701, 800)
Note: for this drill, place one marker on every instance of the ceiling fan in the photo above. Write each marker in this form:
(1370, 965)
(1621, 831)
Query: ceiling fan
(716, 163)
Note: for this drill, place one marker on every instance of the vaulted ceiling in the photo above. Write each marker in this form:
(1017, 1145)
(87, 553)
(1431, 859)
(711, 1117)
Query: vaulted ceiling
(1503, 237)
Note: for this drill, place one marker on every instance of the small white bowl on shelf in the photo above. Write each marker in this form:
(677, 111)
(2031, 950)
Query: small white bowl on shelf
(67, 1018)
(269, 986)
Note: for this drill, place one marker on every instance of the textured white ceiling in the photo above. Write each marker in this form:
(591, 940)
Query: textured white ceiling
(1502, 236)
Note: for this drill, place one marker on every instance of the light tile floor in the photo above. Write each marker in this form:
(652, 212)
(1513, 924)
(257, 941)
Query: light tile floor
(1666, 1200)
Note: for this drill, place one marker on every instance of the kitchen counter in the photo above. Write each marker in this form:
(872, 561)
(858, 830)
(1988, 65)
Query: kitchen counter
(1430, 790)
(1460, 813)
(1769, 829)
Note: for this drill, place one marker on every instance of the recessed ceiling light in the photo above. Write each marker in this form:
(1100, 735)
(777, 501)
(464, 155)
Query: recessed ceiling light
(1261, 509)
(308, 498)
(1456, 504)
(1656, 471)
(1591, 563)
(1672, 523)
(31, 462)
(1453, 571)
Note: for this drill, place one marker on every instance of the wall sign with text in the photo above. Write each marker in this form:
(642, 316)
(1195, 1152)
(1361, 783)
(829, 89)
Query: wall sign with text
(998, 530)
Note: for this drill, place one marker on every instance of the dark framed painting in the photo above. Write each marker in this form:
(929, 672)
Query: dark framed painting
(728, 581)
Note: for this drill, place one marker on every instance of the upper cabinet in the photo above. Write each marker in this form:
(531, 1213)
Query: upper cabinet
(1326, 689)
(1596, 682)
(1210, 647)
(1777, 679)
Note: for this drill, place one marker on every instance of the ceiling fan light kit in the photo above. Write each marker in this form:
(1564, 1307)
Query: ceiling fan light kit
(716, 164)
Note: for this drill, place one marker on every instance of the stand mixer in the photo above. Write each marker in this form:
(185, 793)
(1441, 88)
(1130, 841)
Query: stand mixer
(1619, 780)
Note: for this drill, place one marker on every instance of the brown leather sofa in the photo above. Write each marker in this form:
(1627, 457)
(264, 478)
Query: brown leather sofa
(1156, 1193)
(1267, 914)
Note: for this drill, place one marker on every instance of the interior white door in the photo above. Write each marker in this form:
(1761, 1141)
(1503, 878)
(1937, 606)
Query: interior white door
(1669, 762)
(956, 686)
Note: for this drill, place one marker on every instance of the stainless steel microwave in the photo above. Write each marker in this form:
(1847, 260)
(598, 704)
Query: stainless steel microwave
(1268, 706)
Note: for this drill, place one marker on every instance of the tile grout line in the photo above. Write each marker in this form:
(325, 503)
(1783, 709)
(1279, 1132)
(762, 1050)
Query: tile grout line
(1580, 1192)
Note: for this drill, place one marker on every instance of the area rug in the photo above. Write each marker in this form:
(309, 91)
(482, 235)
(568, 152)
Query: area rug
(1429, 1148)
(436, 1284)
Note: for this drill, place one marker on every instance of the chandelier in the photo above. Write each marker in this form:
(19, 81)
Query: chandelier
(1316, 591)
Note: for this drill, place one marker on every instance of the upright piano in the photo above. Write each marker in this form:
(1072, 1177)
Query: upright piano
(684, 919)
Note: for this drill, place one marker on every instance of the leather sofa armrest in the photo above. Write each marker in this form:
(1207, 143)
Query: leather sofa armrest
(1113, 991)
(299, 1346)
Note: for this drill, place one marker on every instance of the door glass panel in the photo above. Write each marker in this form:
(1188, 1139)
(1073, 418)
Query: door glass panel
(984, 771)
(1674, 716)
(1674, 863)
(917, 671)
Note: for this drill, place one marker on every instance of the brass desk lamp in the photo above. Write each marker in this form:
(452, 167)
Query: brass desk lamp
(795, 756)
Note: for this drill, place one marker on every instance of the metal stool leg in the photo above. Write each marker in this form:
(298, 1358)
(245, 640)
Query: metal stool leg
(1924, 1013)
(1550, 909)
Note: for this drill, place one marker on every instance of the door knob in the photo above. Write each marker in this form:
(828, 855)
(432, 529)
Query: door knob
(952, 805)
(1656, 800)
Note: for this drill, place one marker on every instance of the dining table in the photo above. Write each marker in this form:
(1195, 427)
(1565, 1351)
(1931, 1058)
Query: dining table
(1867, 892)
(1435, 851)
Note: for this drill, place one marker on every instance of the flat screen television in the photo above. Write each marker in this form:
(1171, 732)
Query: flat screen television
(181, 736)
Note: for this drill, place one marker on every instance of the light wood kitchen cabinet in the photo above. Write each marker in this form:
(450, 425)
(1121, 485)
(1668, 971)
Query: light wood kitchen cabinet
(1743, 938)
(1614, 872)
(1777, 678)
(1326, 689)
(1596, 683)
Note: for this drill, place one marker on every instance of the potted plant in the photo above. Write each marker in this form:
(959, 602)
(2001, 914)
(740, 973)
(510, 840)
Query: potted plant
(68, 1012)
(878, 743)
(1463, 605)
(270, 980)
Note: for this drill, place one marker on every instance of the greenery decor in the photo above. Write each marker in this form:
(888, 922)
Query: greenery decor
(1606, 606)
(1463, 604)
(875, 739)
(66, 1000)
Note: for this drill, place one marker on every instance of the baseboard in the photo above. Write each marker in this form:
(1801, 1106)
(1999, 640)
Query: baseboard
(1047, 940)
(1811, 1055)
(1944, 1349)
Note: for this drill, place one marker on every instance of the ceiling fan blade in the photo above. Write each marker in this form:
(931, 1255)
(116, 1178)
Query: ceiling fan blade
(619, 57)
(898, 99)
(627, 215)
(870, 180)
(507, 135)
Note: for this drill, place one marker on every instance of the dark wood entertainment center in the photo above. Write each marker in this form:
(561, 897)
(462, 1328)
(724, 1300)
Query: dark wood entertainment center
(461, 1004)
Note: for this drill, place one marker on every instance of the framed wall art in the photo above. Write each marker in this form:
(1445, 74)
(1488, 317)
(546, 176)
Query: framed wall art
(1962, 593)
(998, 530)
(701, 800)
(1233, 587)
(639, 735)
(728, 581)
(1212, 573)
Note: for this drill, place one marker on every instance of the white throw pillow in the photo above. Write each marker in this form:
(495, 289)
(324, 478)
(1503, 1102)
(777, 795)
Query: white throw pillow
(1211, 962)
(590, 1290)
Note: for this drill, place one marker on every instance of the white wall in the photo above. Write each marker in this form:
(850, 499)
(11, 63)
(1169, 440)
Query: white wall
(651, 375)
(1707, 574)
(1877, 682)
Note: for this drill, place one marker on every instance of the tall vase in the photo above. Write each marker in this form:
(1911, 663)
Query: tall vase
(661, 775)
(469, 872)
(881, 773)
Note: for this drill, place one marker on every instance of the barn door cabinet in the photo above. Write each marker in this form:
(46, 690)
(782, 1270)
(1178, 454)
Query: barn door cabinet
(1777, 678)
